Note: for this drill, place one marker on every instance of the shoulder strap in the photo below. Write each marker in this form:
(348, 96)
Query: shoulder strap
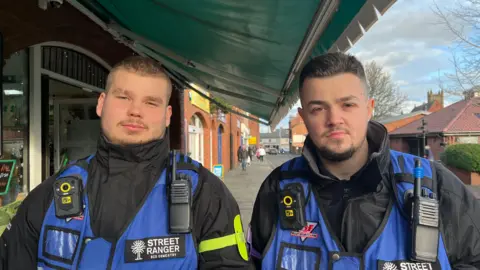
(404, 171)
(82, 163)
(186, 163)
(294, 168)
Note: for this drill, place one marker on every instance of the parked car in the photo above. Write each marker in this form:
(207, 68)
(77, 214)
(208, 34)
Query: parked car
(272, 151)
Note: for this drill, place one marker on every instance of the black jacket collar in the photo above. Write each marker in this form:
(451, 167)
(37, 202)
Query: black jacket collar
(118, 158)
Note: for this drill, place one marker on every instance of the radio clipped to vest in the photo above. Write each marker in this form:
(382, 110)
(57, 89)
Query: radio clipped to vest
(425, 220)
(179, 192)
(292, 207)
(67, 193)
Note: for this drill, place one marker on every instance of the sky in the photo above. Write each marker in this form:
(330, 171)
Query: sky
(411, 44)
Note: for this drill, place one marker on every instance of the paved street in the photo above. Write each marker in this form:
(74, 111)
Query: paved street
(244, 185)
(277, 160)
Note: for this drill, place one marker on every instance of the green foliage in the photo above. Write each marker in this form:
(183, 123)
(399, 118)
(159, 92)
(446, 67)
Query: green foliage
(223, 105)
(6, 214)
(463, 156)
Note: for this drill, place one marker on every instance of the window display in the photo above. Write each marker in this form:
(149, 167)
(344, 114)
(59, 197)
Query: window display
(15, 121)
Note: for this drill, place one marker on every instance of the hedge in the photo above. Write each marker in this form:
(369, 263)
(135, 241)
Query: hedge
(463, 156)
(6, 214)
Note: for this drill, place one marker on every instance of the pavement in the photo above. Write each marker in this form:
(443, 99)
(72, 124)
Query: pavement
(244, 185)
(475, 190)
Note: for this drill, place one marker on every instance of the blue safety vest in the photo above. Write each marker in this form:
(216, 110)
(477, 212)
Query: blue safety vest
(145, 244)
(313, 247)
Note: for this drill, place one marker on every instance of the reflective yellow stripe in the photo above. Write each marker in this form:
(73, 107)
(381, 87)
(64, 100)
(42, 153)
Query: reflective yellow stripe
(217, 243)
(238, 238)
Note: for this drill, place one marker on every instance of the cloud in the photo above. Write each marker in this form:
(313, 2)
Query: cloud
(407, 32)
(402, 83)
(264, 129)
(408, 106)
(409, 42)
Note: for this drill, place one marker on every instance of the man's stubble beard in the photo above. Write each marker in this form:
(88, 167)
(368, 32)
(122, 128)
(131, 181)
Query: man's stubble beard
(126, 141)
(332, 156)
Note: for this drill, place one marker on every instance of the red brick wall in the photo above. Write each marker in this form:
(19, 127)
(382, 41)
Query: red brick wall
(467, 178)
(437, 149)
(297, 127)
(398, 144)
(402, 122)
(254, 130)
(210, 125)
(435, 145)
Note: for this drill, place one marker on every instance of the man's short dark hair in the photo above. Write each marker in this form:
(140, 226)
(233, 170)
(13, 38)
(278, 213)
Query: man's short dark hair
(141, 65)
(331, 64)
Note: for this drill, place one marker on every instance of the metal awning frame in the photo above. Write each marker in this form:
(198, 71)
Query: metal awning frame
(286, 97)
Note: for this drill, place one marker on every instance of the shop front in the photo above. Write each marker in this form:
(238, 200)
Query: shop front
(50, 92)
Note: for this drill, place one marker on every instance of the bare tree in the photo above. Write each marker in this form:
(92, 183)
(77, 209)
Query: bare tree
(462, 19)
(388, 98)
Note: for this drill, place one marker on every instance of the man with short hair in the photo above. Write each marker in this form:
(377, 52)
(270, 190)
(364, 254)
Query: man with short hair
(243, 156)
(135, 211)
(346, 202)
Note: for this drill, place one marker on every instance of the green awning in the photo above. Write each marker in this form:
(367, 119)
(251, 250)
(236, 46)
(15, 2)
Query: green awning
(248, 52)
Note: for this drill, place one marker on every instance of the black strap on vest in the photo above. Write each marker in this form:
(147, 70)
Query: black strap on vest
(290, 173)
(82, 163)
(427, 182)
(186, 165)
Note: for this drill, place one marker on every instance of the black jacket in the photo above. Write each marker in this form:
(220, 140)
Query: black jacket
(119, 179)
(355, 208)
(242, 154)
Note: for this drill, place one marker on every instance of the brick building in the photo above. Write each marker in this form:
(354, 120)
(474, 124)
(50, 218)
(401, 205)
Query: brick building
(457, 123)
(278, 139)
(435, 102)
(213, 137)
(394, 122)
(298, 133)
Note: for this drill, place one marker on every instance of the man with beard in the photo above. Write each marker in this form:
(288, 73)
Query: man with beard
(343, 203)
(132, 212)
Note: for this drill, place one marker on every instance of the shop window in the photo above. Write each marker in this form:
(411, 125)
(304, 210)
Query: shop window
(15, 122)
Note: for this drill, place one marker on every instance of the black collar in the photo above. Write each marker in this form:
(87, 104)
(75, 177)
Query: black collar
(118, 158)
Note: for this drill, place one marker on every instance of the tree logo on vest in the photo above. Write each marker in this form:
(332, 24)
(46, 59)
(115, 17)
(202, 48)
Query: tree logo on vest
(389, 266)
(306, 232)
(138, 247)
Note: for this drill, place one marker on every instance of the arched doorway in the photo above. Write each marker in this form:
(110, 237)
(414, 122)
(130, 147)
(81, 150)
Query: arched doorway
(195, 138)
(65, 83)
(219, 136)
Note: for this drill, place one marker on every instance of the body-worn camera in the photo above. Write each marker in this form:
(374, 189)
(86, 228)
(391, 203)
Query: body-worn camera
(292, 207)
(68, 197)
